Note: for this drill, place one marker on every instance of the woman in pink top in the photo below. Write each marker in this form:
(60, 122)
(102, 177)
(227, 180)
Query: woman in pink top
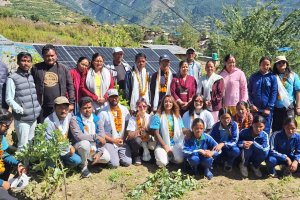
(76, 73)
(235, 84)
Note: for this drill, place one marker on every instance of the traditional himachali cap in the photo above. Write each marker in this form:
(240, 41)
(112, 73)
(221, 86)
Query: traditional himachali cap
(61, 100)
(112, 92)
(280, 58)
(117, 49)
(164, 57)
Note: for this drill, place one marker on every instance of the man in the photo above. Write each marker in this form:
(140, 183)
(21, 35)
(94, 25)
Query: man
(119, 68)
(88, 136)
(137, 82)
(52, 80)
(21, 97)
(3, 77)
(60, 120)
(195, 69)
(115, 118)
(160, 82)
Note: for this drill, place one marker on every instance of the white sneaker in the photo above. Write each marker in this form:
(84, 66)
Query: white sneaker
(138, 160)
(256, 171)
(243, 170)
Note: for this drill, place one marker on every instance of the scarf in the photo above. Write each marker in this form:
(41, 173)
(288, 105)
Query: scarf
(114, 132)
(64, 126)
(157, 87)
(282, 92)
(136, 87)
(105, 81)
(89, 128)
(178, 135)
(207, 83)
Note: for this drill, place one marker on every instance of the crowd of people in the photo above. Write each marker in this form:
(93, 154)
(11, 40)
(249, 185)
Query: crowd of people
(190, 117)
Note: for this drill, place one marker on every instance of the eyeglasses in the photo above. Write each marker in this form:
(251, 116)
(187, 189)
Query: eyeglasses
(142, 107)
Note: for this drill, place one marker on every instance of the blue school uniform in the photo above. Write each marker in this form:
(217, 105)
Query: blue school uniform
(282, 147)
(263, 89)
(229, 137)
(258, 151)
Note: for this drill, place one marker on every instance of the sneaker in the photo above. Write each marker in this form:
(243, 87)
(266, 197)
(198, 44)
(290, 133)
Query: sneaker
(227, 167)
(256, 171)
(208, 174)
(243, 170)
(85, 173)
(273, 175)
(137, 160)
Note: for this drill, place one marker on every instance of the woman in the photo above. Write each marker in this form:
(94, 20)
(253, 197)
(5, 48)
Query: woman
(288, 98)
(96, 81)
(243, 117)
(184, 87)
(76, 74)
(211, 87)
(235, 84)
(197, 110)
(285, 148)
(167, 126)
(138, 133)
(262, 89)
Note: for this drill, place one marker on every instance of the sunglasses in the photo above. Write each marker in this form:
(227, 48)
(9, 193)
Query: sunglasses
(142, 106)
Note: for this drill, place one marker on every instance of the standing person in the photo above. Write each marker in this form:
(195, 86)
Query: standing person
(21, 97)
(161, 82)
(288, 99)
(235, 84)
(211, 87)
(119, 68)
(96, 81)
(137, 82)
(262, 88)
(115, 118)
(52, 80)
(183, 87)
(254, 144)
(167, 126)
(88, 136)
(285, 148)
(76, 74)
(3, 78)
(195, 68)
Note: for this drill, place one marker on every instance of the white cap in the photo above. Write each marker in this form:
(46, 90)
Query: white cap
(117, 49)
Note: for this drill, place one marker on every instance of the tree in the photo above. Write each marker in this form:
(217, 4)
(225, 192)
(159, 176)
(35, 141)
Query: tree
(189, 37)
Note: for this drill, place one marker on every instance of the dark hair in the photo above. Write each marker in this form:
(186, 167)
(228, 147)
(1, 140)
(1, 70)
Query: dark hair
(289, 120)
(139, 55)
(85, 100)
(5, 115)
(196, 121)
(226, 59)
(81, 59)
(209, 62)
(175, 108)
(243, 103)
(287, 69)
(141, 100)
(223, 111)
(264, 58)
(258, 118)
(192, 106)
(180, 65)
(23, 54)
(47, 48)
(96, 55)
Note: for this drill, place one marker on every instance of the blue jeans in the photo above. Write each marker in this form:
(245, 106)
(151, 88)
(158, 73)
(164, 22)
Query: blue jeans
(71, 161)
(254, 155)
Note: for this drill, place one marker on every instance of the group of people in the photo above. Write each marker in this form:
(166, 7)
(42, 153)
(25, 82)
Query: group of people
(188, 117)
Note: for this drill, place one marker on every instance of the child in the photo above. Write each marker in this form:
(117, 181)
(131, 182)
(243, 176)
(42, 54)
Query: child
(285, 148)
(225, 133)
(242, 117)
(198, 150)
(254, 144)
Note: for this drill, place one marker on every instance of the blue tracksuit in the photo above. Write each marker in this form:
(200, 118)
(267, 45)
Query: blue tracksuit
(206, 142)
(262, 89)
(281, 148)
(258, 151)
(229, 137)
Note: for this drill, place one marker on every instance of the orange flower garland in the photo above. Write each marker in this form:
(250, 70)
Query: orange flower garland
(171, 130)
(117, 118)
(142, 93)
(242, 124)
(2, 168)
(164, 88)
(145, 136)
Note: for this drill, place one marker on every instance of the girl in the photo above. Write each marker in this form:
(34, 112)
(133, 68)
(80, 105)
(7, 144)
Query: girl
(225, 133)
(235, 84)
(76, 74)
(262, 89)
(96, 81)
(198, 150)
(197, 109)
(184, 87)
(211, 87)
(254, 144)
(285, 148)
(242, 117)
(167, 126)
(138, 133)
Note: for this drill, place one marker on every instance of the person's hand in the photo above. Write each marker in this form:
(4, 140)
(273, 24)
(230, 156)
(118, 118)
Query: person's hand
(247, 144)
(101, 100)
(96, 158)
(72, 151)
(294, 166)
(201, 151)
(208, 154)
(102, 140)
(208, 103)
(288, 161)
(167, 149)
(266, 112)
(21, 169)
(6, 185)
(118, 141)
(71, 108)
(254, 108)
(219, 147)
(184, 106)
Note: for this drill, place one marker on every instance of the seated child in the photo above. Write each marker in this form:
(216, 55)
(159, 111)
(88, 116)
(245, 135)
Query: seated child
(243, 117)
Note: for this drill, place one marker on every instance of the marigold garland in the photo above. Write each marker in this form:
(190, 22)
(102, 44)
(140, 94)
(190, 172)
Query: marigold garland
(140, 124)
(170, 128)
(164, 88)
(2, 167)
(141, 91)
(240, 122)
(117, 118)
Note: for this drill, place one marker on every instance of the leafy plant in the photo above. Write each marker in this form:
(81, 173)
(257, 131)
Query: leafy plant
(164, 185)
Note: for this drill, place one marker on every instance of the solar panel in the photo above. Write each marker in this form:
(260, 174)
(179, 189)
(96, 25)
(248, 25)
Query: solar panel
(150, 54)
(77, 52)
(68, 64)
(62, 55)
(129, 54)
(106, 52)
(161, 52)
